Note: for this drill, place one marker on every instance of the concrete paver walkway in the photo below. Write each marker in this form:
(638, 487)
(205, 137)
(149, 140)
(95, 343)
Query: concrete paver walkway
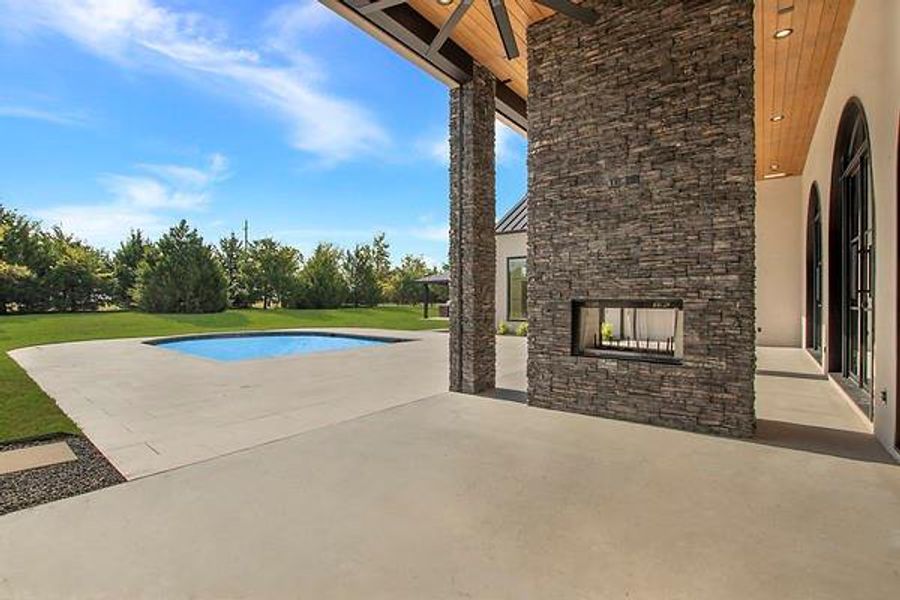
(460, 496)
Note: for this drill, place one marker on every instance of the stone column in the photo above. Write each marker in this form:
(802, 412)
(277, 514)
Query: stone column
(641, 186)
(472, 245)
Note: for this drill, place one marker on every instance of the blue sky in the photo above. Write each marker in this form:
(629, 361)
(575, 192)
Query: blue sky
(117, 114)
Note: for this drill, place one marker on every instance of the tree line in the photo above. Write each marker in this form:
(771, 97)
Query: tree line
(45, 270)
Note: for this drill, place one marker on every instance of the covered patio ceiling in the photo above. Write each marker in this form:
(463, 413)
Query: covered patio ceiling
(793, 69)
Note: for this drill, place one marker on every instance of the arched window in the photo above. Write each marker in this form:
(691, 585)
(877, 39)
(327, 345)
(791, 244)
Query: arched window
(814, 294)
(851, 243)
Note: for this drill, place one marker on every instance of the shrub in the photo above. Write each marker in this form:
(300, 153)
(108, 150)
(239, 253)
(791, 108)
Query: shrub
(606, 330)
(503, 328)
(14, 281)
(80, 278)
(180, 275)
(27, 252)
(522, 330)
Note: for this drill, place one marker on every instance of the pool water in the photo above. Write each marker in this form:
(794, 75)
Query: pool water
(246, 347)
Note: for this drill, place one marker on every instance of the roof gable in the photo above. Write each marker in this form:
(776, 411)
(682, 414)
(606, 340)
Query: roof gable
(516, 218)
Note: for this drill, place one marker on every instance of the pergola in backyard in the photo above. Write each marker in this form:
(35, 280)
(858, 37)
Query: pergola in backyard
(439, 279)
(647, 134)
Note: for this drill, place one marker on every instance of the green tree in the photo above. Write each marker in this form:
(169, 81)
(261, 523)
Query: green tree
(13, 278)
(273, 271)
(233, 257)
(24, 243)
(125, 263)
(381, 258)
(48, 270)
(406, 290)
(25, 249)
(362, 277)
(80, 277)
(322, 284)
(181, 275)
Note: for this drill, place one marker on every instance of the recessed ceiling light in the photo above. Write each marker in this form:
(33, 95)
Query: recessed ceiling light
(774, 175)
(774, 166)
(777, 118)
(783, 33)
(445, 2)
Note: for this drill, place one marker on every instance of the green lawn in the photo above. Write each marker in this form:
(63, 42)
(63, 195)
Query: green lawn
(26, 411)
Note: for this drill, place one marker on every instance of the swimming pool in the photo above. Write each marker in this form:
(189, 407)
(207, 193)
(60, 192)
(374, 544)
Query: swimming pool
(237, 347)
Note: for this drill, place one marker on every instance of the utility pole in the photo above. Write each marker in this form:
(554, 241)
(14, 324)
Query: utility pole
(246, 234)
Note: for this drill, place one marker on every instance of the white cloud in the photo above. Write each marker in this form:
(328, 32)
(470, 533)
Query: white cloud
(429, 229)
(148, 193)
(432, 233)
(151, 201)
(104, 225)
(139, 33)
(436, 149)
(40, 114)
(287, 24)
(191, 177)
(507, 146)
(432, 262)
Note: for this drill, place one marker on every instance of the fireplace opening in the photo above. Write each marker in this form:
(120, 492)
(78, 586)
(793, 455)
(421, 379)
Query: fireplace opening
(650, 330)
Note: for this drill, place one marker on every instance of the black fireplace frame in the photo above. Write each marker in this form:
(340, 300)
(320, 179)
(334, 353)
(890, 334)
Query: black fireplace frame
(660, 303)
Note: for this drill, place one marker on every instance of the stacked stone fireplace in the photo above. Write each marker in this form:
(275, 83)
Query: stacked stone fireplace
(641, 160)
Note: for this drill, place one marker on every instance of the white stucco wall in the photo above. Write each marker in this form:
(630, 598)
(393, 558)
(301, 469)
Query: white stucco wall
(508, 245)
(779, 262)
(868, 68)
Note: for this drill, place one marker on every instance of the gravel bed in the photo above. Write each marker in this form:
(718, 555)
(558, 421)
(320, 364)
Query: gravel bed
(36, 486)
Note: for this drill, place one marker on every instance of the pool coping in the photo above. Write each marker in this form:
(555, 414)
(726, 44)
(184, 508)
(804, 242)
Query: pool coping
(274, 333)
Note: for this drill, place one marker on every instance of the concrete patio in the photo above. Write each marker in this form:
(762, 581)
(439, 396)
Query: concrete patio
(149, 409)
(463, 496)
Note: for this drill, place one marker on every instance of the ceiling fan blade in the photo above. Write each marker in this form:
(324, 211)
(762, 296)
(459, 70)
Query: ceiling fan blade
(574, 11)
(501, 17)
(448, 27)
(379, 5)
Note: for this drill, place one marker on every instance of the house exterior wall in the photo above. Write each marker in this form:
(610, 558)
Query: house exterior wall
(509, 245)
(868, 68)
(641, 185)
(780, 254)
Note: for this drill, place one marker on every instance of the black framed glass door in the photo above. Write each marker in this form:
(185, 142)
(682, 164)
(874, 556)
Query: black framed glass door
(815, 340)
(858, 236)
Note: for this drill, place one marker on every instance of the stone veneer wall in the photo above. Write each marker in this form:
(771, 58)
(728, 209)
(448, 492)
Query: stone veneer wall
(472, 246)
(641, 185)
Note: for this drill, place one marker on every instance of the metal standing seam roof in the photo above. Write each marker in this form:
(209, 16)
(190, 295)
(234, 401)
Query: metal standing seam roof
(516, 219)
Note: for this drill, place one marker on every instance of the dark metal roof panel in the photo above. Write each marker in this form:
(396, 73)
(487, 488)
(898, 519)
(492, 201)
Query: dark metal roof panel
(516, 219)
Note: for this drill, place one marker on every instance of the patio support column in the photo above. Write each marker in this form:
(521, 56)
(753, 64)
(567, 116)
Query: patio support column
(472, 246)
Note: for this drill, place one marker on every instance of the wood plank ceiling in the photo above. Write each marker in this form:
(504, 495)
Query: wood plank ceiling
(792, 77)
(792, 73)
